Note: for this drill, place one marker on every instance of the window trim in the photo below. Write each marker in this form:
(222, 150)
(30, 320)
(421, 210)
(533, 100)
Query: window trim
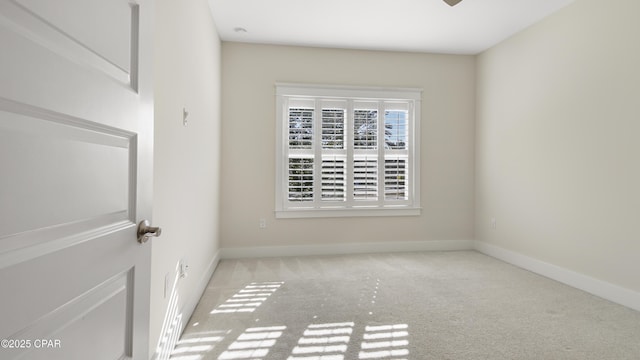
(283, 91)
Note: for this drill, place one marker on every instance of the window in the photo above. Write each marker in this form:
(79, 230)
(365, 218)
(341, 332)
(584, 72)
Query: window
(347, 151)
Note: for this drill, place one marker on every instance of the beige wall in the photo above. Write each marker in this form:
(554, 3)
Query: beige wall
(248, 148)
(557, 146)
(187, 159)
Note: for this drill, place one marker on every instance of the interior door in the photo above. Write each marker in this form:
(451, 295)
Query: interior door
(76, 130)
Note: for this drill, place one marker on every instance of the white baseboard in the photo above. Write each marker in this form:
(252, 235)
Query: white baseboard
(192, 302)
(603, 289)
(348, 248)
(178, 319)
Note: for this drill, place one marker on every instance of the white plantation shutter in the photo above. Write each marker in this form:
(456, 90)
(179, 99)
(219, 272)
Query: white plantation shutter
(395, 178)
(333, 181)
(300, 128)
(396, 128)
(347, 151)
(365, 178)
(365, 129)
(300, 186)
(396, 153)
(333, 178)
(333, 128)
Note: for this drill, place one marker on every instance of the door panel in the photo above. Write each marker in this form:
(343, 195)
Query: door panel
(99, 30)
(57, 158)
(104, 36)
(73, 297)
(76, 129)
(104, 307)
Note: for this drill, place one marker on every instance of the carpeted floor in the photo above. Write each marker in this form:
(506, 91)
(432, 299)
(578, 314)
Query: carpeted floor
(431, 305)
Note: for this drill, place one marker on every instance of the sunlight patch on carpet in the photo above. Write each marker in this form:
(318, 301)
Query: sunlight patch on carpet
(323, 342)
(196, 345)
(253, 343)
(249, 298)
(385, 342)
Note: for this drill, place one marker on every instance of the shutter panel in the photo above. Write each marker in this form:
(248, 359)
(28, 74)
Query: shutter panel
(300, 128)
(333, 128)
(365, 129)
(301, 163)
(395, 178)
(300, 179)
(333, 178)
(396, 129)
(365, 145)
(333, 155)
(365, 178)
(396, 171)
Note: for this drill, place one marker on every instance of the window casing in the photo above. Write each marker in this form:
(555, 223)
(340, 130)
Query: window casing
(347, 151)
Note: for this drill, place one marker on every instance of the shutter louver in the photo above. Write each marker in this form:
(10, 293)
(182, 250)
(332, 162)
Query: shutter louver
(333, 179)
(300, 179)
(333, 128)
(365, 129)
(365, 179)
(300, 128)
(395, 179)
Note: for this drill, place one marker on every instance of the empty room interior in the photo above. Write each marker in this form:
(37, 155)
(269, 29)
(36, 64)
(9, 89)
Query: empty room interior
(336, 180)
(526, 241)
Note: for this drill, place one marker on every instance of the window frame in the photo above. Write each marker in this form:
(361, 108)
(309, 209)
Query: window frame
(316, 94)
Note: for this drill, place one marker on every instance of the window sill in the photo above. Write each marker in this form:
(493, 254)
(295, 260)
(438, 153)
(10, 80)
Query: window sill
(346, 212)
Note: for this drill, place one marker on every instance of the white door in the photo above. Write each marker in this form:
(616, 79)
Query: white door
(76, 130)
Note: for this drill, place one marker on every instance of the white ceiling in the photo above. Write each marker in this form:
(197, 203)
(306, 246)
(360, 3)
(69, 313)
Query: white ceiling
(470, 27)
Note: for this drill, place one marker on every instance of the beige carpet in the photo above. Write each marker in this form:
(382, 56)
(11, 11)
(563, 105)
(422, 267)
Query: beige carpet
(433, 305)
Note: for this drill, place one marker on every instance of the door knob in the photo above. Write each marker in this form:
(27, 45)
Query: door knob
(145, 231)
